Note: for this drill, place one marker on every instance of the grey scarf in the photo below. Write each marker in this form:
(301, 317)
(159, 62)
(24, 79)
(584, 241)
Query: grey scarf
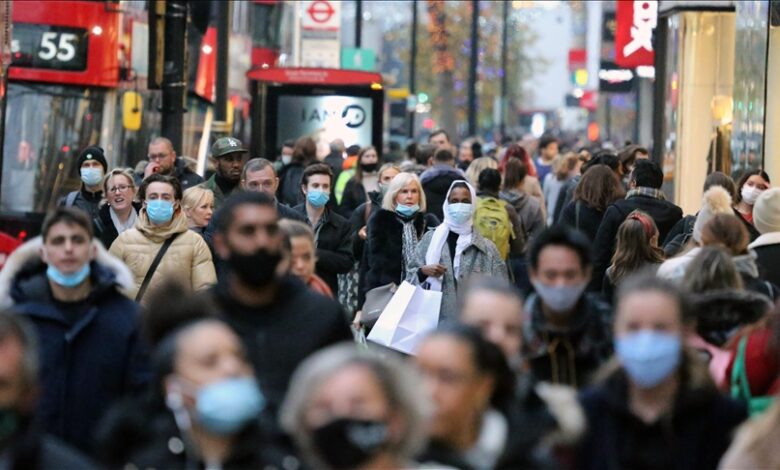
(408, 249)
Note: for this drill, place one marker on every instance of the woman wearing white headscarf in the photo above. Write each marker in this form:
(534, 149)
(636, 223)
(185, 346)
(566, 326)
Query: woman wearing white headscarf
(454, 251)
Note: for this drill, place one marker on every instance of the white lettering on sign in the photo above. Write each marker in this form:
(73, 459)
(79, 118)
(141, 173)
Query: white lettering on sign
(615, 75)
(645, 20)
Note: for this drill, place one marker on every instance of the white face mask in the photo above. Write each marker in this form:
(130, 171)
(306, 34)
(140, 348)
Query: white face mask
(286, 159)
(750, 194)
(560, 298)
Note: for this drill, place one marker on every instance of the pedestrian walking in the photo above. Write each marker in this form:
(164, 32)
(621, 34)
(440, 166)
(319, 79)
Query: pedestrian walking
(163, 160)
(455, 251)
(160, 246)
(386, 430)
(655, 392)
(750, 185)
(198, 205)
(230, 157)
(598, 188)
(92, 166)
(331, 231)
(120, 211)
(90, 348)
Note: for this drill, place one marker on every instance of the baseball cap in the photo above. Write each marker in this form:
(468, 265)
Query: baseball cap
(226, 145)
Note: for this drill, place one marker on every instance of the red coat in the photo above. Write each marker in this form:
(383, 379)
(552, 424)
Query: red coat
(762, 362)
(7, 245)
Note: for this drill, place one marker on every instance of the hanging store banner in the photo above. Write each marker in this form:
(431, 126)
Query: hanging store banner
(636, 22)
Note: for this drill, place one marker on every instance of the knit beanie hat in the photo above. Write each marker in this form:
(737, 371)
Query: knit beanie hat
(93, 152)
(716, 200)
(766, 211)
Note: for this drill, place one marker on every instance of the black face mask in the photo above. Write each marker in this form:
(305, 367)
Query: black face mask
(348, 442)
(369, 167)
(255, 269)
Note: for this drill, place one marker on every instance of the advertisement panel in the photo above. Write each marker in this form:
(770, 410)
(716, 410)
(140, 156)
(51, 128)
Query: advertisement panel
(636, 22)
(349, 118)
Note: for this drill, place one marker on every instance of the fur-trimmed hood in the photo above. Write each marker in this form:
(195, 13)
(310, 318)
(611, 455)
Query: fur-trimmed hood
(25, 262)
(719, 313)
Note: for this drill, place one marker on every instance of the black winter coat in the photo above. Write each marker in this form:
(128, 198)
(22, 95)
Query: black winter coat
(384, 248)
(84, 200)
(436, 182)
(720, 313)
(88, 364)
(767, 248)
(695, 436)
(279, 336)
(104, 226)
(589, 218)
(29, 449)
(354, 196)
(664, 213)
(143, 434)
(289, 191)
(334, 247)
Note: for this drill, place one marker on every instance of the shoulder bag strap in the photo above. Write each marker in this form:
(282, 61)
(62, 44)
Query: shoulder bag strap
(740, 387)
(71, 198)
(166, 244)
(577, 215)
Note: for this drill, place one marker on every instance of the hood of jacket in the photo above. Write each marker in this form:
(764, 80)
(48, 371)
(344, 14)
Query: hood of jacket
(772, 238)
(720, 313)
(440, 169)
(746, 265)
(516, 198)
(160, 233)
(24, 274)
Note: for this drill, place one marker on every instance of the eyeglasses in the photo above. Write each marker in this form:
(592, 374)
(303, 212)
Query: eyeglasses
(119, 189)
(157, 156)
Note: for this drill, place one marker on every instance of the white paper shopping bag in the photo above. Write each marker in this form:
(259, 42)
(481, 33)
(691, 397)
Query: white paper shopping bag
(411, 314)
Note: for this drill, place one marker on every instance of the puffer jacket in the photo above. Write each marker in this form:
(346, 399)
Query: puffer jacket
(187, 260)
(481, 258)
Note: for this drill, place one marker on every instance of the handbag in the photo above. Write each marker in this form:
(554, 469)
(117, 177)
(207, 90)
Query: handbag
(410, 316)
(740, 387)
(376, 301)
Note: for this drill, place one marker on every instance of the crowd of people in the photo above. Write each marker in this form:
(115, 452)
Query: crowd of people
(167, 320)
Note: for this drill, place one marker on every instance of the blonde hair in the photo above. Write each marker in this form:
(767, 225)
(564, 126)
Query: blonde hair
(476, 167)
(126, 172)
(565, 164)
(195, 196)
(398, 183)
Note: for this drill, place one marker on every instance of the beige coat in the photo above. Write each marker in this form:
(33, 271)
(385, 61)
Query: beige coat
(188, 259)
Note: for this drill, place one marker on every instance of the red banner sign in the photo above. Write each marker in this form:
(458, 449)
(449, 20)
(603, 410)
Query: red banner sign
(636, 21)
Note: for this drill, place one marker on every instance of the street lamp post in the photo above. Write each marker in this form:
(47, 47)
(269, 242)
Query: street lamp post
(472, 100)
(413, 66)
(504, 54)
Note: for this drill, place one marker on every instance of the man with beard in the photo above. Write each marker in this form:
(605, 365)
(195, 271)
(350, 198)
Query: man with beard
(230, 156)
(279, 319)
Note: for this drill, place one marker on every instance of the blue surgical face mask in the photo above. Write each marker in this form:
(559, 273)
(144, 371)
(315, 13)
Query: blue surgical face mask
(649, 356)
(407, 211)
(159, 211)
(67, 280)
(225, 407)
(91, 176)
(559, 298)
(460, 212)
(317, 198)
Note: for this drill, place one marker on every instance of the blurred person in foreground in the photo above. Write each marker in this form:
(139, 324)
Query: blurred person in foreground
(655, 392)
(303, 255)
(90, 348)
(23, 444)
(203, 410)
(279, 319)
(353, 409)
(566, 335)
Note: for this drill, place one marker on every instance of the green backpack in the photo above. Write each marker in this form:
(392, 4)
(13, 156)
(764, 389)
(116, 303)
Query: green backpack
(492, 222)
(740, 387)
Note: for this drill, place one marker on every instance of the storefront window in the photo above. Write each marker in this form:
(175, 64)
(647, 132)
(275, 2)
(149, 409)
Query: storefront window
(671, 108)
(747, 139)
(46, 127)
